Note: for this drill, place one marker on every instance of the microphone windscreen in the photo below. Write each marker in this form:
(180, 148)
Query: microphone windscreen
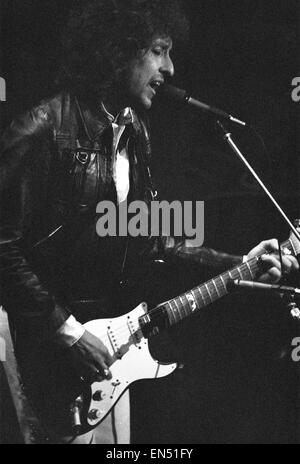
(174, 92)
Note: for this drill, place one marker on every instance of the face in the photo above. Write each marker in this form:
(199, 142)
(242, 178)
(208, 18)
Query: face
(148, 72)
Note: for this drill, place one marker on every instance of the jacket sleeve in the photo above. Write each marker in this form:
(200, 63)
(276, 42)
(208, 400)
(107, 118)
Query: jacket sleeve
(178, 250)
(23, 176)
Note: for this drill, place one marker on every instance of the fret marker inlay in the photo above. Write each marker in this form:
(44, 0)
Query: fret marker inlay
(192, 301)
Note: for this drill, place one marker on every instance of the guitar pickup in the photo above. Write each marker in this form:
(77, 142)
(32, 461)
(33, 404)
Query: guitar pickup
(136, 334)
(114, 343)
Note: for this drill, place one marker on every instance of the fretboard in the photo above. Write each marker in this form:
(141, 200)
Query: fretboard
(177, 309)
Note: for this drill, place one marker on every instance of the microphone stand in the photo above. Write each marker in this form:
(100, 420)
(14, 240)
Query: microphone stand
(290, 299)
(228, 138)
(290, 293)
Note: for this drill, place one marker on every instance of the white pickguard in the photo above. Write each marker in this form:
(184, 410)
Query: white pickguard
(124, 339)
(129, 348)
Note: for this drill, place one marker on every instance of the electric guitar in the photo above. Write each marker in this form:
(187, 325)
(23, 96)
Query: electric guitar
(126, 338)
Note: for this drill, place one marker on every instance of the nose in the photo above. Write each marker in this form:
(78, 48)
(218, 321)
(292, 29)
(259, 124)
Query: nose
(168, 66)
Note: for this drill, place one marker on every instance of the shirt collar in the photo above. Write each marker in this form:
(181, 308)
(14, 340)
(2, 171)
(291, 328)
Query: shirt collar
(123, 118)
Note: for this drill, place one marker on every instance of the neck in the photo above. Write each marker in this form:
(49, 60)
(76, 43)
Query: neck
(115, 101)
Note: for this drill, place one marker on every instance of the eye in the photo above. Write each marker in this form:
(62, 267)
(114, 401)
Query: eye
(157, 51)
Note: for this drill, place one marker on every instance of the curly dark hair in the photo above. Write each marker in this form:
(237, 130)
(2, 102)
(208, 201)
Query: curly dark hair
(103, 36)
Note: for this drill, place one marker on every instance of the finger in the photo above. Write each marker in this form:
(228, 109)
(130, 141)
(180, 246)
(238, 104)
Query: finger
(108, 359)
(287, 265)
(96, 375)
(270, 245)
(294, 262)
(272, 263)
(268, 261)
(107, 374)
(89, 375)
(99, 375)
(273, 275)
(105, 357)
(103, 372)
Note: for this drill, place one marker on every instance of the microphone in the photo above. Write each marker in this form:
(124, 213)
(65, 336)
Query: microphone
(260, 286)
(183, 97)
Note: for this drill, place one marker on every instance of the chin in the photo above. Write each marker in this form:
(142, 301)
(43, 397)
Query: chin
(147, 106)
(143, 103)
(146, 103)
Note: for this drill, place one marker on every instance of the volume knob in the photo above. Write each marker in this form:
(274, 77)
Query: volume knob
(94, 414)
(98, 395)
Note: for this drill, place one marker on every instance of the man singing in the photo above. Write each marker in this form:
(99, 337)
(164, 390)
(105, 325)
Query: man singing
(88, 143)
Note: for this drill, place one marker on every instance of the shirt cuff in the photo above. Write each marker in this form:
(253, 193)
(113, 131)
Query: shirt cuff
(69, 333)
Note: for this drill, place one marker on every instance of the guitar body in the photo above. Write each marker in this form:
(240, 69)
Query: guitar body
(132, 361)
(70, 406)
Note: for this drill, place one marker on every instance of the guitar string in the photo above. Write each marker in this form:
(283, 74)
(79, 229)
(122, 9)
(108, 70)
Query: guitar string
(214, 285)
(124, 330)
(211, 285)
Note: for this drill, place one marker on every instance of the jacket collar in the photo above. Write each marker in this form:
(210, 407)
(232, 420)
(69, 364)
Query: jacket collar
(96, 119)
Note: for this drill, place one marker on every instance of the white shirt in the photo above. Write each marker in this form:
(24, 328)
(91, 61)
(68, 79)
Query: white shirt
(120, 158)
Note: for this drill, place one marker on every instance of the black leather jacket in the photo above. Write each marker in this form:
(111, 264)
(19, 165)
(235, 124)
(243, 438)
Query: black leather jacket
(55, 166)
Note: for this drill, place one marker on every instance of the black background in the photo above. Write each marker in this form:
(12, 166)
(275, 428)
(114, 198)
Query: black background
(239, 384)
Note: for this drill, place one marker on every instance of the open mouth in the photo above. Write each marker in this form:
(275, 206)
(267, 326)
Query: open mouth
(155, 85)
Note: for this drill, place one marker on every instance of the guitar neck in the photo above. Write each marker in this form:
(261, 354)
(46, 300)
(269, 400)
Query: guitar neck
(177, 309)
